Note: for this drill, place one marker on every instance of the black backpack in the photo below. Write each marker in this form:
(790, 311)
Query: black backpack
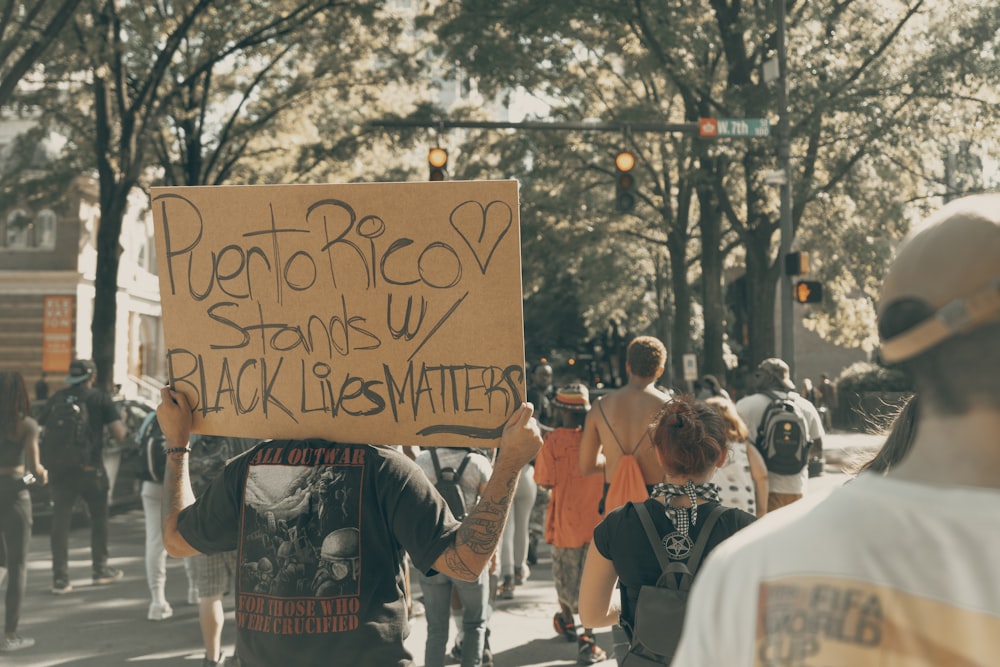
(67, 437)
(658, 618)
(448, 484)
(782, 437)
(152, 457)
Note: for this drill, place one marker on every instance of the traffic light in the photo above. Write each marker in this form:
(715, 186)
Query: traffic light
(625, 195)
(437, 158)
(796, 263)
(809, 291)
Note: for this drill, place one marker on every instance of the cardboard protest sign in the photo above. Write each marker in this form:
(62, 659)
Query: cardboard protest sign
(372, 313)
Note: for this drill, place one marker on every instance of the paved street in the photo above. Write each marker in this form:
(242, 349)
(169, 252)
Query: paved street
(107, 627)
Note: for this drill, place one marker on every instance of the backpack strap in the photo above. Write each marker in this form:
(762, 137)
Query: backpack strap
(694, 559)
(774, 398)
(436, 462)
(461, 467)
(688, 567)
(600, 408)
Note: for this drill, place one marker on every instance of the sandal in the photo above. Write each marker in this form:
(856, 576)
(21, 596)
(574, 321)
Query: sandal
(567, 630)
(589, 652)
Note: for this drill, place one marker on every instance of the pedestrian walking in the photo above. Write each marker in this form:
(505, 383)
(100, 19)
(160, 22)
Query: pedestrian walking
(906, 561)
(827, 399)
(742, 479)
(41, 388)
(151, 462)
(689, 438)
(615, 440)
(785, 428)
(439, 589)
(20, 466)
(213, 574)
(74, 420)
(352, 510)
(572, 513)
(513, 555)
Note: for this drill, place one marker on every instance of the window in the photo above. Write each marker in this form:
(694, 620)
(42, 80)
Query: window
(45, 229)
(18, 229)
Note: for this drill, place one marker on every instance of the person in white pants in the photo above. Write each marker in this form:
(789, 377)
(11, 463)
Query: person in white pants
(150, 442)
(514, 540)
(156, 556)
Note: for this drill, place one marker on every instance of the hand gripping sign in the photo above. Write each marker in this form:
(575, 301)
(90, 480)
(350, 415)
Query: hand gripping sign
(377, 313)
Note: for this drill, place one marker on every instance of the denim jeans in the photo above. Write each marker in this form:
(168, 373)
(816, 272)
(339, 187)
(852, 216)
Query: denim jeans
(66, 486)
(437, 608)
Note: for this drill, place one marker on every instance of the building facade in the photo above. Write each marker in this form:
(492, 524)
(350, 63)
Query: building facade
(48, 258)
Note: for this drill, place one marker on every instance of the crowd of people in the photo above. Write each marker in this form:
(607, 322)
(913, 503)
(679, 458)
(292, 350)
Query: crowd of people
(647, 490)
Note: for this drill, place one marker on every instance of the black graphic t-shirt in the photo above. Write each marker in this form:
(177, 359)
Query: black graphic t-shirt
(320, 530)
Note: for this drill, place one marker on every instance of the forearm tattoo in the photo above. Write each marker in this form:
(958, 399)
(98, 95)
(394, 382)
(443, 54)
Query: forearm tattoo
(480, 530)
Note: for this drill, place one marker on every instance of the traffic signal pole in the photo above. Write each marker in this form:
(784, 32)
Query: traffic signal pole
(786, 299)
(578, 126)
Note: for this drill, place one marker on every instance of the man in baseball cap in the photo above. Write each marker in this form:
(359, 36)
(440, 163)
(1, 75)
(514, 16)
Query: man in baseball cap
(80, 370)
(73, 447)
(904, 562)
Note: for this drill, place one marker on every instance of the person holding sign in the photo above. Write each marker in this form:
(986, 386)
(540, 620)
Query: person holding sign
(341, 515)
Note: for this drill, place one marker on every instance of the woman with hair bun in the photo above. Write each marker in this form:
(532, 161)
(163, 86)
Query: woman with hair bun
(691, 441)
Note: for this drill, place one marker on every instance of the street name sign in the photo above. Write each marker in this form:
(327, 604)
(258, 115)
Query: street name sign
(734, 127)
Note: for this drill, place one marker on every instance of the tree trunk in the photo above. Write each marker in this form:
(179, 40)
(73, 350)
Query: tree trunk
(104, 325)
(713, 300)
(677, 247)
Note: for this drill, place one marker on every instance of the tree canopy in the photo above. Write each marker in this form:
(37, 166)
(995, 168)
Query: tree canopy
(892, 107)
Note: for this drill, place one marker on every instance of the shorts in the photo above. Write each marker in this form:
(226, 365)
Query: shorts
(777, 500)
(213, 574)
(567, 570)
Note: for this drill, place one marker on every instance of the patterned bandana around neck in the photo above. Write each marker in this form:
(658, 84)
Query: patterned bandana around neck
(678, 515)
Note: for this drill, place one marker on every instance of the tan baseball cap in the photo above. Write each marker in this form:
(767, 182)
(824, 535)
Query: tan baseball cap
(777, 370)
(951, 262)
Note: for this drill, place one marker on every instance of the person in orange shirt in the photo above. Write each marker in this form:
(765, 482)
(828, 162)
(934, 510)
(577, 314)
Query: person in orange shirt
(572, 514)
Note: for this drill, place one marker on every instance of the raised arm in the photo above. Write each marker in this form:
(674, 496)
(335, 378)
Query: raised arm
(480, 531)
(174, 414)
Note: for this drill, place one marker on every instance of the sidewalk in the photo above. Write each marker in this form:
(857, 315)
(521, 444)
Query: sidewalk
(521, 630)
(106, 626)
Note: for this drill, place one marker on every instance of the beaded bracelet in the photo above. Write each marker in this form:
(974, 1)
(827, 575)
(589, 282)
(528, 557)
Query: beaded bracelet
(178, 450)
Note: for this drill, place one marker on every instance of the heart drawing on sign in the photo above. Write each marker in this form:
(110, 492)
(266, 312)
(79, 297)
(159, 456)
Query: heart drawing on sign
(481, 228)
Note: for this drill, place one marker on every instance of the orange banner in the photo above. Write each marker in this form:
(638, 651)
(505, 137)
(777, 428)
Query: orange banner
(57, 334)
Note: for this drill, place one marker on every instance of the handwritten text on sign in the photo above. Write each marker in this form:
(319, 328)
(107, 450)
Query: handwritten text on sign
(384, 313)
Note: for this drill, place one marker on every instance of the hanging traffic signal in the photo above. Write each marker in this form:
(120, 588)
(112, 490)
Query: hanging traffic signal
(809, 291)
(437, 158)
(625, 195)
(796, 263)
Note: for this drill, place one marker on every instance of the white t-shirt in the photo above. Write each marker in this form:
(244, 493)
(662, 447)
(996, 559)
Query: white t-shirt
(751, 408)
(881, 572)
(477, 472)
(736, 487)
